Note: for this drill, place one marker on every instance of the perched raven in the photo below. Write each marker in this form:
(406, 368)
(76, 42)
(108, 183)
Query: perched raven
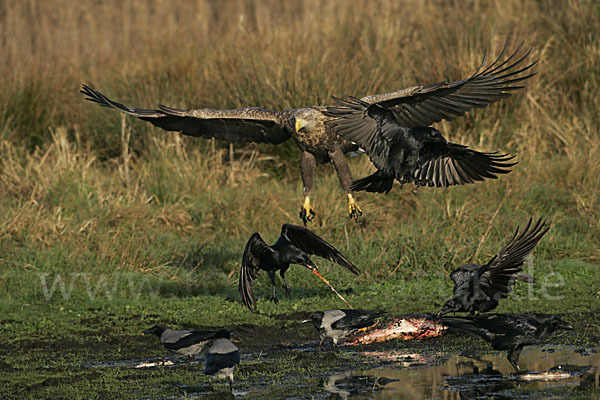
(477, 288)
(294, 246)
(337, 324)
(510, 332)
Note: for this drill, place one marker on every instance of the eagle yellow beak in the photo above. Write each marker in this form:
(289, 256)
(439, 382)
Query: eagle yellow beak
(300, 123)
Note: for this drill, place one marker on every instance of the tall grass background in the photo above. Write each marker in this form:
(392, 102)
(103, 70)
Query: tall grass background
(85, 189)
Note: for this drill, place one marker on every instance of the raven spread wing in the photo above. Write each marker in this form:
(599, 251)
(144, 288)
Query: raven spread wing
(506, 266)
(389, 145)
(256, 248)
(307, 241)
(187, 339)
(448, 164)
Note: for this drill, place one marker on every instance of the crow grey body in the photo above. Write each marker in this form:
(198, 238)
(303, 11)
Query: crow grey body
(185, 342)
(338, 324)
(221, 357)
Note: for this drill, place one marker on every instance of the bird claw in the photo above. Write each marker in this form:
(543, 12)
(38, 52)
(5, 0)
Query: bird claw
(288, 291)
(307, 213)
(354, 210)
(275, 300)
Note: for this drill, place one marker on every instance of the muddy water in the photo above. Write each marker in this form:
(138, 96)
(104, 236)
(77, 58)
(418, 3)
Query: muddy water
(405, 375)
(412, 376)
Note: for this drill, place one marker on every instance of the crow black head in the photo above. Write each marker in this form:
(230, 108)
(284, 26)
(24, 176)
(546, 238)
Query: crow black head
(451, 306)
(427, 133)
(558, 323)
(156, 330)
(315, 317)
(223, 333)
(299, 257)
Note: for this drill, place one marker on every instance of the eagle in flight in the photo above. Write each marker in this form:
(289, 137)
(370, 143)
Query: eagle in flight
(323, 136)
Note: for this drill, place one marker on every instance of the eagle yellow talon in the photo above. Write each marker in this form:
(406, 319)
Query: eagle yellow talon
(354, 210)
(307, 213)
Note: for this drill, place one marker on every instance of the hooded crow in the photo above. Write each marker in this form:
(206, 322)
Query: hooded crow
(185, 342)
(510, 332)
(338, 324)
(478, 288)
(294, 246)
(221, 357)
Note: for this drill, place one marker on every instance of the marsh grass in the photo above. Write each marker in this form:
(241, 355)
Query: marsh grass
(84, 191)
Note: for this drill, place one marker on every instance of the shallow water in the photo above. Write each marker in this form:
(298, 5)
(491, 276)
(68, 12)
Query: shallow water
(409, 375)
(405, 374)
(459, 377)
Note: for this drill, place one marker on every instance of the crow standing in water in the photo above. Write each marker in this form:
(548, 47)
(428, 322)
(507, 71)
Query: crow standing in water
(185, 342)
(294, 246)
(337, 324)
(510, 332)
(394, 128)
(477, 288)
(220, 357)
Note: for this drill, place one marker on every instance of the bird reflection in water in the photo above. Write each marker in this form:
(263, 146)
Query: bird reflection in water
(353, 383)
(480, 383)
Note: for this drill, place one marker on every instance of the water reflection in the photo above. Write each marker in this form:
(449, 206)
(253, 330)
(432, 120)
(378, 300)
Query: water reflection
(353, 383)
(435, 376)
(478, 384)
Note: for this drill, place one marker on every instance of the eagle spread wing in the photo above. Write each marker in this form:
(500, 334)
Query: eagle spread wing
(239, 125)
(424, 105)
(307, 241)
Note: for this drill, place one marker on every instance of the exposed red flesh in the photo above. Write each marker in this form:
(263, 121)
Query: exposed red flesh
(405, 327)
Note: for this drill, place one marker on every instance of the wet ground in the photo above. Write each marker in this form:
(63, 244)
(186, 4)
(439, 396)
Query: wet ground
(285, 361)
(549, 371)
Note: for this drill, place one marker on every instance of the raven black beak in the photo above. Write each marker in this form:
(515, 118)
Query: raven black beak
(148, 331)
(312, 267)
(566, 326)
(445, 310)
(305, 321)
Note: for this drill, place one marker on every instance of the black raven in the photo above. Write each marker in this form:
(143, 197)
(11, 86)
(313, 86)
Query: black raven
(337, 324)
(510, 332)
(478, 288)
(394, 128)
(294, 246)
